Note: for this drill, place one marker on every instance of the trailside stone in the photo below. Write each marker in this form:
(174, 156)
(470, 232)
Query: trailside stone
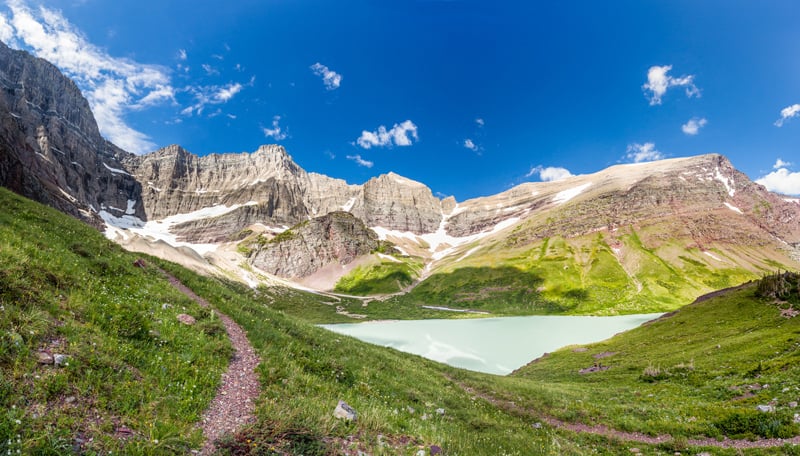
(60, 360)
(44, 357)
(344, 411)
(186, 319)
(765, 408)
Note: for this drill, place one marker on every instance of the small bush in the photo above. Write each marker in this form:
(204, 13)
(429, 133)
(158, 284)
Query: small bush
(753, 423)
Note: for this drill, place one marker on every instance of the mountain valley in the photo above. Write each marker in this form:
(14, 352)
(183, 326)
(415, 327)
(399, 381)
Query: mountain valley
(88, 232)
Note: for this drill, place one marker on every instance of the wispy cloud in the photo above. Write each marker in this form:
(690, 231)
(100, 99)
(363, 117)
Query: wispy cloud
(639, 153)
(275, 132)
(403, 134)
(112, 85)
(480, 122)
(549, 173)
(210, 70)
(469, 144)
(781, 164)
(658, 81)
(693, 126)
(781, 180)
(788, 113)
(330, 78)
(211, 95)
(361, 162)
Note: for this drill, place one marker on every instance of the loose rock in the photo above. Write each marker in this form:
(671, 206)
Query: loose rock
(60, 360)
(765, 408)
(44, 357)
(344, 411)
(186, 319)
(436, 449)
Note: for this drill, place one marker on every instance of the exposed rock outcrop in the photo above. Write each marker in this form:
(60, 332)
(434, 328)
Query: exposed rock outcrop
(50, 147)
(338, 237)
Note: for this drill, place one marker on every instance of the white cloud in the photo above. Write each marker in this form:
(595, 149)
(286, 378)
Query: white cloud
(211, 95)
(549, 173)
(210, 70)
(470, 145)
(182, 54)
(658, 81)
(781, 164)
(693, 126)
(781, 181)
(330, 78)
(787, 113)
(403, 134)
(275, 132)
(7, 34)
(112, 85)
(643, 152)
(480, 122)
(360, 161)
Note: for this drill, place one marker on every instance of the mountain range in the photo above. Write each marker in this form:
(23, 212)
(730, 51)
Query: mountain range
(648, 236)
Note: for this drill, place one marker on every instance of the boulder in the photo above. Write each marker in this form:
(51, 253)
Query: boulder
(44, 357)
(344, 411)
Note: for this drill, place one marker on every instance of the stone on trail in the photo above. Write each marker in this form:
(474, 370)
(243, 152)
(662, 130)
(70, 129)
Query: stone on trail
(344, 411)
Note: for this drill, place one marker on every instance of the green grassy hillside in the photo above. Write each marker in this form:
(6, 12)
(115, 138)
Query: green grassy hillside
(700, 372)
(135, 380)
(594, 274)
(380, 276)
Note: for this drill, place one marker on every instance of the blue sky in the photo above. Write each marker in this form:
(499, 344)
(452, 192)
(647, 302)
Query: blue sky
(468, 97)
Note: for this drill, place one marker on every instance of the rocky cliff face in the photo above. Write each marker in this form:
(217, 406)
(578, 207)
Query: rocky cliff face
(338, 237)
(175, 181)
(50, 147)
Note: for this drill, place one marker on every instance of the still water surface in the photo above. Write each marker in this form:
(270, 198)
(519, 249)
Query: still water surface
(493, 345)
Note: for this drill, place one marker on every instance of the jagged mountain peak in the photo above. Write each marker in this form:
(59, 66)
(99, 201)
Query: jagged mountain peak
(395, 178)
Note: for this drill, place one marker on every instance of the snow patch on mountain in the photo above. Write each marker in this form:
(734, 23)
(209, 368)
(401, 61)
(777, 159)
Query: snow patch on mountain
(117, 170)
(349, 204)
(733, 208)
(566, 195)
(160, 230)
(728, 183)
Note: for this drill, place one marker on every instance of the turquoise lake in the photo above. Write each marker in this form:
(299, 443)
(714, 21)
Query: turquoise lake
(493, 345)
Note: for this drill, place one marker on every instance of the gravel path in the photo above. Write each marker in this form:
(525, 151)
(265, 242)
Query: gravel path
(233, 405)
(633, 437)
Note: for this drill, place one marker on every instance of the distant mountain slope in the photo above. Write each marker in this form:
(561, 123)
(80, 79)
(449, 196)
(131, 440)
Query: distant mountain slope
(652, 235)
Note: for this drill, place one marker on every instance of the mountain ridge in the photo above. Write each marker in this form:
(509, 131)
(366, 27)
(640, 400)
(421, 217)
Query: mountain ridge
(671, 215)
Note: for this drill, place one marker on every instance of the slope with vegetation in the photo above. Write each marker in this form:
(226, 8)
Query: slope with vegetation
(137, 380)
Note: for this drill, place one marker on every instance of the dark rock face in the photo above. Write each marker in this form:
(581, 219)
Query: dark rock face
(50, 147)
(338, 237)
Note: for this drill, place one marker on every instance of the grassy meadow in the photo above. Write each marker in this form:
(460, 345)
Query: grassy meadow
(137, 380)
